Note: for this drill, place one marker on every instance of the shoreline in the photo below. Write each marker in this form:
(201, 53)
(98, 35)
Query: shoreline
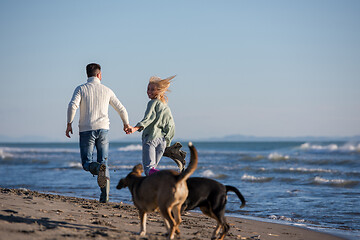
(26, 214)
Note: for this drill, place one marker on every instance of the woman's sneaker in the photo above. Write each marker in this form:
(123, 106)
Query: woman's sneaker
(180, 163)
(102, 179)
(177, 155)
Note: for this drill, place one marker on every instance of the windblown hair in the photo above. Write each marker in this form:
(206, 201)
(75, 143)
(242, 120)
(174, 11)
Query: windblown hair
(162, 86)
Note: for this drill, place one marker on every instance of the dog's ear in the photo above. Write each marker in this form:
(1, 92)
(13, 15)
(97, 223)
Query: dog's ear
(123, 183)
(138, 170)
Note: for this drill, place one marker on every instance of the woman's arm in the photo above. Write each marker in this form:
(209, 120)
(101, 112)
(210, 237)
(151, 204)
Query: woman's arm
(149, 117)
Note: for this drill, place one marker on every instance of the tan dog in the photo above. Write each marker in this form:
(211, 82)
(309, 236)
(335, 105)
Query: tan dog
(166, 190)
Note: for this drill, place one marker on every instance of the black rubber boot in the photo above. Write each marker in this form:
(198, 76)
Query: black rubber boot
(94, 168)
(100, 170)
(102, 176)
(177, 155)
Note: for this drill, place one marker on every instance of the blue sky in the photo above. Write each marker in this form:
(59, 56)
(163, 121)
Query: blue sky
(262, 68)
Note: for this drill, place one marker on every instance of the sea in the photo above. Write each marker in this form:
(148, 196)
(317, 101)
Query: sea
(313, 185)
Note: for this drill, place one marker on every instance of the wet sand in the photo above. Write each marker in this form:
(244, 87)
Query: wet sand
(27, 214)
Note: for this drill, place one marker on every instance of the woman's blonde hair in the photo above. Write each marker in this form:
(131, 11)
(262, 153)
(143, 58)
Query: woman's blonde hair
(162, 87)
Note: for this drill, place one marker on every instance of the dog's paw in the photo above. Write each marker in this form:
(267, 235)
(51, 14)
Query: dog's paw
(142, 233)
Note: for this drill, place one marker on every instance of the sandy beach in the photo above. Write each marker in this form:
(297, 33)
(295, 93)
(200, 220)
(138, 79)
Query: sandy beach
(26, 214)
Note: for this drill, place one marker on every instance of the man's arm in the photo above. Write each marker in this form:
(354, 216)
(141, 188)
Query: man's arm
(120, 109)
(68, 130)
(72, 107)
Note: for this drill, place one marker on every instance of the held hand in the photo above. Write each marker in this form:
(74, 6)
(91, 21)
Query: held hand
(68, 130)
(131, 130)
(127, 129)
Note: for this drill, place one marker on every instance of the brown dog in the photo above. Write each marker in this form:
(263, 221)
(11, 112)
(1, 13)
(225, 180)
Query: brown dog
(166, 190)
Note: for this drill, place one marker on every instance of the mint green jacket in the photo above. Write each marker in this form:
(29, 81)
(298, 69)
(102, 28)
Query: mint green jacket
(157, 122)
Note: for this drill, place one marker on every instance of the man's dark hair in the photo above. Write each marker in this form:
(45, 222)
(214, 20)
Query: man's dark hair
(93, 69)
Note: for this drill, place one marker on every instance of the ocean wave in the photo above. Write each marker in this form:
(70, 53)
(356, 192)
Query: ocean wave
(245, 157)
(250, 178)
(5, 155)
(211, 174)
(278, 157)
(291, 170)
(69, 165)
(295, 191)
(75, 165)
(331, 161)
(288, 219)
(34, 155)
(300, 170)
(129, 148)
(11, 150)
(347, 147)
(164, 167)
(335, 182)
(274, 217)
(289, 179)
(129, 167)
(307, 170)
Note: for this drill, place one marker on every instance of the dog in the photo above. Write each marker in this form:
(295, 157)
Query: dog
(211, 197)
(166, 190)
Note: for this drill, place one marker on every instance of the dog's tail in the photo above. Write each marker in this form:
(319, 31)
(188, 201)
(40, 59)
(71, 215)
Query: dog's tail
(192, 165)
(238, 193)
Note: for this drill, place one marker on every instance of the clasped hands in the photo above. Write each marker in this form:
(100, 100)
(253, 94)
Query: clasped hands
(129, 129)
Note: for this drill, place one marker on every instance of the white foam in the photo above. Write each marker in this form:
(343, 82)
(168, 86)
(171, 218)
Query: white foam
(129, 148)
(347, 147)
(12, 150)
(309, 146)
(121, 166)
(295, 191)
(311, 170)
(324, 180)
(274, 217)
(288, 219)
(278, 156)
(166, 166)
(336, 182)
(208, 174)
(75, 165)
(129, 167)
(4, 154)
(350, 147)
(250, 178)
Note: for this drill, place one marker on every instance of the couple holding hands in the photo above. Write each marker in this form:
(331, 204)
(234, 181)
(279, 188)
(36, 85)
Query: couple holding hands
(158, 127)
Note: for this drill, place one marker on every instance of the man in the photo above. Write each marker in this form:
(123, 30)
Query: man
(93, 98)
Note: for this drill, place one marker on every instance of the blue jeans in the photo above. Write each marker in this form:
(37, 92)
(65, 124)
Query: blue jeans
(152, 153)
(88, 141)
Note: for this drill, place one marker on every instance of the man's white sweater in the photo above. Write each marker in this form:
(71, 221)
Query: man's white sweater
(94, 98)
